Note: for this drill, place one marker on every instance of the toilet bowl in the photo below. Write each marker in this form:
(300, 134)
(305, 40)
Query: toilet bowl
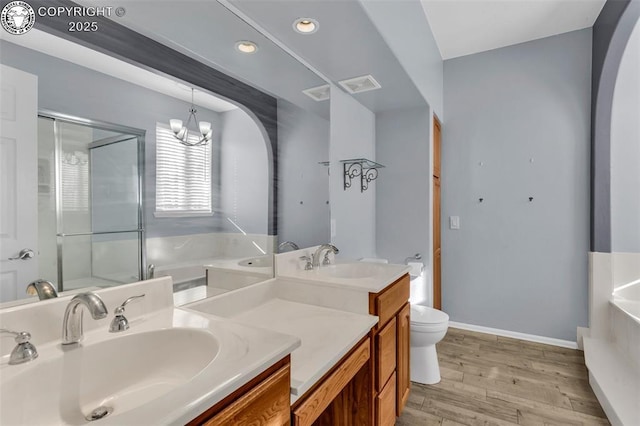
(428, 327)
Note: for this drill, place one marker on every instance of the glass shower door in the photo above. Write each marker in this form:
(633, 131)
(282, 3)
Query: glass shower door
(98, 210)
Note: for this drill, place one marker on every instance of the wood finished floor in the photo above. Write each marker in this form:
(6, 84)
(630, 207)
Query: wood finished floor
(493, 380)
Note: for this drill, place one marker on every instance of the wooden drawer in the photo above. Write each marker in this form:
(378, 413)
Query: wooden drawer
(320, 398)
(386, 404)
(265, 404)
(386, 304)
(385, 353)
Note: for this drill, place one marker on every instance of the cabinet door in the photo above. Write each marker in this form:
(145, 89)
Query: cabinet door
(386, 404)
(386, 354)
(404, 350)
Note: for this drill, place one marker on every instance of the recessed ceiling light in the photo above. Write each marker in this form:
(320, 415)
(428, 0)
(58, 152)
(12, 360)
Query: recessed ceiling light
(306, 25)
(246, 46)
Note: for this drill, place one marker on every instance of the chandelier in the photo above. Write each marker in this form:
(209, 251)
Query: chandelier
(182, 132)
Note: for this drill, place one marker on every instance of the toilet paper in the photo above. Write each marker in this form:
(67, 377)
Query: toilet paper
(416, 268)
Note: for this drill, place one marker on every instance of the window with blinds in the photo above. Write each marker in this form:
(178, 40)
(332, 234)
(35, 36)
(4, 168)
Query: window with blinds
(183, 176)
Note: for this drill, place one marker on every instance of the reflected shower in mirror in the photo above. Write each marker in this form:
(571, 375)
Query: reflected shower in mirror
(89, 203)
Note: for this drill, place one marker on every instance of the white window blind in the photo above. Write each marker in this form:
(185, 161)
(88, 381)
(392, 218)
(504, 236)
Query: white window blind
(183, 175)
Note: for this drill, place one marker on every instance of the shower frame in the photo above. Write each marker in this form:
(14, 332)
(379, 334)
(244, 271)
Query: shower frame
(139, 134)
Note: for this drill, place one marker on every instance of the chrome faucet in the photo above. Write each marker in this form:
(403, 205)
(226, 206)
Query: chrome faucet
(72, 322)
(24, 350)
(151, 271)
(285, 244)
(318, 253)
(43, 288)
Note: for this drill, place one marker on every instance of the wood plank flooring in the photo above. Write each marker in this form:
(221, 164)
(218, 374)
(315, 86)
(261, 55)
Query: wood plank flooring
(493, 380)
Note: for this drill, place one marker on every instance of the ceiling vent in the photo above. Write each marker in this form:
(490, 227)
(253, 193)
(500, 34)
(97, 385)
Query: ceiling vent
(360, 84)
(320, 93)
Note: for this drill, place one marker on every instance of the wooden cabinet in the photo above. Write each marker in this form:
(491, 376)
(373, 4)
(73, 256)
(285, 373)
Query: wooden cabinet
(385, 354)
(391, 352)
(386, 404)
(403, 353)
(262, 401)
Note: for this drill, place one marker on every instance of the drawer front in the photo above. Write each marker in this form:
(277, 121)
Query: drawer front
(389, 302)
(386, 404)
(385, 353)
(266, 404)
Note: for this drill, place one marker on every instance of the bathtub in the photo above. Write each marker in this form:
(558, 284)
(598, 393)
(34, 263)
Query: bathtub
(627, 299)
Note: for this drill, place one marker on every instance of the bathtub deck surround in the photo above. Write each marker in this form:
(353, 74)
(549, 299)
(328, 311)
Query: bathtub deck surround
(161, 340)
(612, 342)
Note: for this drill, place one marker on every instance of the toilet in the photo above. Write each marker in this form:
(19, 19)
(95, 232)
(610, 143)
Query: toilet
(428, 327)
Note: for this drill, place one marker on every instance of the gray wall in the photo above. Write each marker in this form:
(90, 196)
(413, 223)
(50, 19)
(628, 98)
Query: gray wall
(518, 265)
(625, 151)
(403, 193)
(352, 135)
(244, 173)
(303, 209)
(400, 23)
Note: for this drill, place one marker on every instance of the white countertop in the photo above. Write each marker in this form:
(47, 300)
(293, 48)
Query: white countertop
(326, 335)
(51, 382)
(388, 273)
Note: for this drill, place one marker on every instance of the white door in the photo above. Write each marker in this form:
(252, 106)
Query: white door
(18, 182)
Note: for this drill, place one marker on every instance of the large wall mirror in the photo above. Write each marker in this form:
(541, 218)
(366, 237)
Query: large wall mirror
(112, 193)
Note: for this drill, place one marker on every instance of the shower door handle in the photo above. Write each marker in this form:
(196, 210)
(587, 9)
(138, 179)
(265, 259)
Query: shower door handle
(25, 254)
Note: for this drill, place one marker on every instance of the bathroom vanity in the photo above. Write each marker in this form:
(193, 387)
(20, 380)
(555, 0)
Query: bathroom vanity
(283, 351)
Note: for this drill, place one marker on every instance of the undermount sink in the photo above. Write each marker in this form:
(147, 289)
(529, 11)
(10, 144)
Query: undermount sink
(356, 270)
(257, 262)
(67, 383)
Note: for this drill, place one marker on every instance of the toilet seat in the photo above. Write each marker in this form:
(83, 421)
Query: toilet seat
(424, 316)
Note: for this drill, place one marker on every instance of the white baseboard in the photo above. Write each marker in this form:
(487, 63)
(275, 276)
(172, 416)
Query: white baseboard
(514, 334)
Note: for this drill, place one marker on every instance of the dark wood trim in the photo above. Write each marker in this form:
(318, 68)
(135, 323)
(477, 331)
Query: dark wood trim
(221, 405)
(123, 43)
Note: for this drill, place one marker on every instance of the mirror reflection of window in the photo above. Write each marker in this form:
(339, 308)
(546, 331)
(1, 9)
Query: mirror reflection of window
(183, 176)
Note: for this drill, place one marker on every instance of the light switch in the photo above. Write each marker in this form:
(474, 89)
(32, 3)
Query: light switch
(454, 222)
(333, 228)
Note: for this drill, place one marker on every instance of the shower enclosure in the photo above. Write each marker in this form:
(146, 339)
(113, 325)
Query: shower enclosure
(90, 218)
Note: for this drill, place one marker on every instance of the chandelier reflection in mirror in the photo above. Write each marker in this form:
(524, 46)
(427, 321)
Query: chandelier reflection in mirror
(181, 132)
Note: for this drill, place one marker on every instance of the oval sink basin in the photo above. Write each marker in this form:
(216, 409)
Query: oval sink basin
(257, 262)
(121, 373)
(351, 270)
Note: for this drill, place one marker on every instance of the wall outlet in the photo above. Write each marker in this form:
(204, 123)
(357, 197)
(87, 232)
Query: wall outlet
(454, 222)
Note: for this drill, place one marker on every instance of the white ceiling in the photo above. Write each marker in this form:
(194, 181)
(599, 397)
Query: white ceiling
(464, 27)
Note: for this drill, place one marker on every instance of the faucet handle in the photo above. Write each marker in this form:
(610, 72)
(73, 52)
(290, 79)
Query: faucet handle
(120, 309)
(120, 322)
(24, 351)
(309, 263)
